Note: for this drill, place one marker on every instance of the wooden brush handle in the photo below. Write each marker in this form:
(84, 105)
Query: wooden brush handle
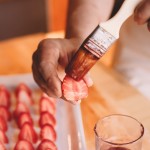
(113, 25)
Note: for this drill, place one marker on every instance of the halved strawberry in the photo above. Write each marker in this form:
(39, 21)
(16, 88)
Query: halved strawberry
(74, 90)
(47, 145)
(48, 132)
(28, 133)
(3, 137)
(20, 108)
(4, 96)
(3, 124)
(4, 113)
(23, 145)
(23, 86)
(47, 105)
(53, 100)
(23, 118)
(23, 94)
(47, 118)
(2, 146)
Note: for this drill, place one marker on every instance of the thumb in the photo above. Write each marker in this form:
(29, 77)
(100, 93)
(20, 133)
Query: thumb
(88, 80)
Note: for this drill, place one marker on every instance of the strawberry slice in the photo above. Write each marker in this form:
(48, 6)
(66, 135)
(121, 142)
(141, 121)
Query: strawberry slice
(74, 90)
(24, 94)
(23, 145)
(28, 133)
(3, 124)
(48, 132)
(53, 100)
(47, 118)
(23, 118)
(3, 137)
(47, 145)
(4, 96)
(2, 146)
(23, 86)
(47, 105)
(4, 113)
(20, 108)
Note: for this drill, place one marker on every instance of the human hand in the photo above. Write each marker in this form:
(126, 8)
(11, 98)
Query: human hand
(50, 56)
(142, 13)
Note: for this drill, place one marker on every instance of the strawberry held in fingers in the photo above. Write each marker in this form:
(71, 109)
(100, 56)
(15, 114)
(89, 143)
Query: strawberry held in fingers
(48, 132)
(47, 145)
(23, 118)
(4, 96)
(74, 91)
(28, 133)
(47, 105)
(23, 145)
(47, 118)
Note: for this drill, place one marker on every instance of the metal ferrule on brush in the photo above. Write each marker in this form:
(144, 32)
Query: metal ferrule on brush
(99, 41)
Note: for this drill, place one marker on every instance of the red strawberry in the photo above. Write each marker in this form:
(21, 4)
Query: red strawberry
(53, 100)
(23, 94)
(47, 105)
(47, 145)
(47, 118)
(3, 88)
(2, 146)
(20, 108)
(23, 145)
(23, 118)
(23, 86)
(4, 113)
(74, 90)
(3, 137)
(24, 97)
(48, 132)
(28, 133)
(3, 124)
(4, 96)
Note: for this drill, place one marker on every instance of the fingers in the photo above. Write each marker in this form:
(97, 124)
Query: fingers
(37, 77)
(148, 25)
(50, 55)
(44, 67)
(142, 12)
(88, 80)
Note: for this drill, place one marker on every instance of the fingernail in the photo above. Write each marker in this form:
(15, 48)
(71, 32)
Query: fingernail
(89, 82)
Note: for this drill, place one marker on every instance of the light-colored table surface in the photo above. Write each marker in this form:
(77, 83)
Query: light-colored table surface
(110, 93)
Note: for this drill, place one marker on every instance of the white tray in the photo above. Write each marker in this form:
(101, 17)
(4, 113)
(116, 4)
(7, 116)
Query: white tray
(70, 133)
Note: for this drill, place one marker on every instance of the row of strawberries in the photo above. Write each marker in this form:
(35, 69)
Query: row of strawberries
(5, 116)
(28, 137)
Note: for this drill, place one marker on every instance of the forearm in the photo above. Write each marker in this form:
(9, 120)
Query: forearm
(85, 15)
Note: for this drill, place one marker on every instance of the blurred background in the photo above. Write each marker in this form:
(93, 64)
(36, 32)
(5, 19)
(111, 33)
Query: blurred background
(24, 23)
(22, 17)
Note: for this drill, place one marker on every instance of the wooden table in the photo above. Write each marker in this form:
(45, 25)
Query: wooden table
(110, 93)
